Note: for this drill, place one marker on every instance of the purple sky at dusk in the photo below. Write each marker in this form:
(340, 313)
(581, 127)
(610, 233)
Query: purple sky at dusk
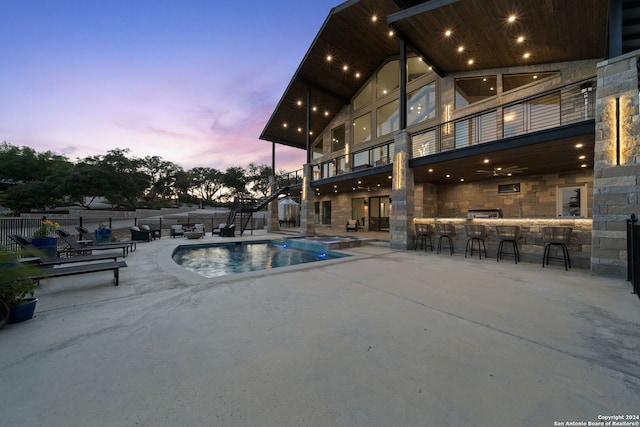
(191, 81)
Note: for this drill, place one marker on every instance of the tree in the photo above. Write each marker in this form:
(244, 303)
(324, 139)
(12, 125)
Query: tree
(235, 180)
(259, 178)
(22, 164)
(206, 182)
(162, 175)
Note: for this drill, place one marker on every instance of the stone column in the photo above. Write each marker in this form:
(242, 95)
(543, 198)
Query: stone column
(402, 197)
(307, 220)
(616, 184)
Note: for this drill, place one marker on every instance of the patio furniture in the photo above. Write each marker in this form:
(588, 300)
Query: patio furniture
(424, 232)
(155, 233)
(176, 230)
(40, 257)
(445, 231)
(80, 248)
(218, 229)
(228, 231)
(193, 234)
(476, 233)
(115, 266)
(509, 234)
(140, 235)
(556, 236)
(352, 225)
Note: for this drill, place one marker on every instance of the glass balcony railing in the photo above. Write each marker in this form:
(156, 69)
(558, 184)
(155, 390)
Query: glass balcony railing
(561, 106)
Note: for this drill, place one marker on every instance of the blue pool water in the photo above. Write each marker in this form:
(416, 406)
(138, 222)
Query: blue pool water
(229, 258)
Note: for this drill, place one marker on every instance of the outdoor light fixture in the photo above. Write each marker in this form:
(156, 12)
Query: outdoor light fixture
(618, 126)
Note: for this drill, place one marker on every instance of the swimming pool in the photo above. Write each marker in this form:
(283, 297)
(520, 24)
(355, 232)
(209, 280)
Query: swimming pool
(240, 257)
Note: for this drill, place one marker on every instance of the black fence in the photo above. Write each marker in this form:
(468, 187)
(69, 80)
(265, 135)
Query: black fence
(633, 253)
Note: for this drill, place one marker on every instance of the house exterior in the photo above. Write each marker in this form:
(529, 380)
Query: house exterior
(467, 111)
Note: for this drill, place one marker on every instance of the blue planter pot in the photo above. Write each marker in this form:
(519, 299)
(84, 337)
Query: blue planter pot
(48, 245)
(22, 311)
(103, 235)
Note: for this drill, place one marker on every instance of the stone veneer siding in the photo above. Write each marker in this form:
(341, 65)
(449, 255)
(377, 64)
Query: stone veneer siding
(616, 186)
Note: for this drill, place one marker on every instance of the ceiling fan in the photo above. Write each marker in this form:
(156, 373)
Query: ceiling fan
(499, 171)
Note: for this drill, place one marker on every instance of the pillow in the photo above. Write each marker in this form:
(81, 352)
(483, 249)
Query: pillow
(134, 228)
(145, 228)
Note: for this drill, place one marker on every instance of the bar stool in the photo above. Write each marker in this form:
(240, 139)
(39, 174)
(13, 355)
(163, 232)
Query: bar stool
(447, 231)
(424, 232)
(556, 236)
(510, 234)
(475, 233)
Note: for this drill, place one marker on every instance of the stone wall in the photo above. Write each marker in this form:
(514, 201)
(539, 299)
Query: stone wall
(617, 162)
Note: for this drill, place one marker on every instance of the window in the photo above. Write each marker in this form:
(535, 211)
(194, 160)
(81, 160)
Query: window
(470, 90)
(337, 138)
(537, 114)
(326, 212)
(421, 104)
(388, 79)
(476, 130)
(362, 129)
(571, 201)
(513, 81)
(416, 68)
(317, 150)
(388, 118)
(364, 97)
(316, 212)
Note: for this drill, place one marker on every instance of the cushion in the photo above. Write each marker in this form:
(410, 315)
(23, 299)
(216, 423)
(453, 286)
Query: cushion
(134, 228)
(145, 228)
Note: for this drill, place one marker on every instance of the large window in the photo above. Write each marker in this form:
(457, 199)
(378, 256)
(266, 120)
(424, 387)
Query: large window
(326, 212)
(474, 89)
(421, 104)
(317, 150)
(364, 97)
(362, 129)
(337, 138)
(513, 81)
(416, 68)
(388, 79)
(388, 118)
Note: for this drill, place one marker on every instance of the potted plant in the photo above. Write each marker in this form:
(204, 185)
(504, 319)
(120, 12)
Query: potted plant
(103, 234)
(42, 238)
(16, 288)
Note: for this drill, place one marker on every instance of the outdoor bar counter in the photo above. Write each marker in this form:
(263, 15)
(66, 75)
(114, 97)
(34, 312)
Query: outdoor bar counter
(530, 245)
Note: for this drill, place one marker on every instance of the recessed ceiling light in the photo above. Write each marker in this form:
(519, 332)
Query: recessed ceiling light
(326, 113)
(461, 179)
(486, 160)
(374, 18)
(470, 62)
(582, 157)
(345, 67)
(579, 145)
(357, 75)
(512, 18)
(314, 108)
(284, 125)
(391, 33)
(299, 129)
(329, 58)
(535, 77)
(583, 166)
(430, 170)
(448, 175)
(520, 39)
(448, 33)
(526, 55)
(460, 48)
(299, 103)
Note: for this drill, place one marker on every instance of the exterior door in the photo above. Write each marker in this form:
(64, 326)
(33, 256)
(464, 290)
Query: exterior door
(379, 211)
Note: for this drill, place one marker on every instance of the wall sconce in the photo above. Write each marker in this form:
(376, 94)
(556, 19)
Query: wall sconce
(365, 203)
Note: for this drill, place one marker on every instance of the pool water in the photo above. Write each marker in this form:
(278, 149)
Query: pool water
(229, 258)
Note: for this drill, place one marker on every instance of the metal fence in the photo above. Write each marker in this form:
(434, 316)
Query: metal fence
(633, 253)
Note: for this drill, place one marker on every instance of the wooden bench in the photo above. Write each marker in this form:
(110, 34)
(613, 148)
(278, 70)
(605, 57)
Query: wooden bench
(48, 273)
(49, 262)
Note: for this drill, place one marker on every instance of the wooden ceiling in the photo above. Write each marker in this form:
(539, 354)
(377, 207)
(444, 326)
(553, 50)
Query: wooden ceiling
(553, 31)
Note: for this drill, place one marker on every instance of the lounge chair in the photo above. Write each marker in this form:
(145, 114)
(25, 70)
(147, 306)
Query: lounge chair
(80, 248)
(89, 238)
(352, 224)
(176, 230)
(48, 273)
(218, 230)
(43, 260)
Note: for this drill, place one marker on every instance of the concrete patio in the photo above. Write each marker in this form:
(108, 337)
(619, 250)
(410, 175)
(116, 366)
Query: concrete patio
(383, 338)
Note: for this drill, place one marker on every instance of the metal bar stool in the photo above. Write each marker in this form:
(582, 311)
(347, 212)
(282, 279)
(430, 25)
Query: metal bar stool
(475, 233)
(556, 236)
(510, 234)
(445, 230)
(424, 232)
